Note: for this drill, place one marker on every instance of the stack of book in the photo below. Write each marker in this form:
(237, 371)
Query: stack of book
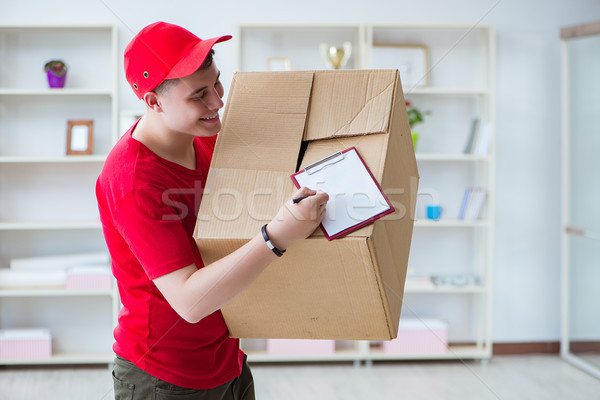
(472, 203)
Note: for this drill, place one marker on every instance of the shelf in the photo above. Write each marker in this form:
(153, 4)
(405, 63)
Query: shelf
(50, 225)
(36, 174)
(86, 27)
(455, 96)
(299, 27)
(453, 353)
(450, 157)
(65, 358)
(55, 92)
(442, 91)
(446, 289)
(53, 292)
(342, 355)
(52, 159)
(451, 223)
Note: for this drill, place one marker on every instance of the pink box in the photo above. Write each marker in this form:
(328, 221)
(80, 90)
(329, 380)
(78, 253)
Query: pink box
(419, 336)
(25, 344)
(300, 346)
(88, 278)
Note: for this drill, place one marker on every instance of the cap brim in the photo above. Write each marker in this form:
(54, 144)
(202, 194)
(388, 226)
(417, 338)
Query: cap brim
(194, 58)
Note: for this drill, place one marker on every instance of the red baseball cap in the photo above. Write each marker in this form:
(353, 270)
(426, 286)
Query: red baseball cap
(164, 51)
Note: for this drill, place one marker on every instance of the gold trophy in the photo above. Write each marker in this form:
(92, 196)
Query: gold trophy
(336, 57)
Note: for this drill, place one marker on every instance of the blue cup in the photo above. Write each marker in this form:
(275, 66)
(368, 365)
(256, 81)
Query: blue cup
(434, 211)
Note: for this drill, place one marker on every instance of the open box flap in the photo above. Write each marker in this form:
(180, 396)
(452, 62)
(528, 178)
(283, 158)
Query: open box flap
(264, 121)
(350, 103)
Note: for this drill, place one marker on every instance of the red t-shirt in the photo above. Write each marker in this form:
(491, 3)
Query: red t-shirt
(148, 208)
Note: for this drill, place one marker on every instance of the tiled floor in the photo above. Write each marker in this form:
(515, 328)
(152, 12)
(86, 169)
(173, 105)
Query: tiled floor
(537, 377)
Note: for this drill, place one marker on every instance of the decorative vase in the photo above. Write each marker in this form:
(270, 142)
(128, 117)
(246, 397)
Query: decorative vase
(55, 81)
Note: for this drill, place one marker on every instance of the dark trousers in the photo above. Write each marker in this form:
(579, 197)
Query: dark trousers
(132, 383)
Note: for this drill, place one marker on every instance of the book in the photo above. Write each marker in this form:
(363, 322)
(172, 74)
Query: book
(472, 139)
(472, 203)
(475, 204)
(482, 145)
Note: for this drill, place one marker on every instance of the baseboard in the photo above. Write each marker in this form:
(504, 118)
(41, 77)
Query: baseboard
(585, 347)
(526, 348)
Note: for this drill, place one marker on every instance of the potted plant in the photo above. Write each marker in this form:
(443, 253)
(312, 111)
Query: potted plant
(56, 71)
(415, 116)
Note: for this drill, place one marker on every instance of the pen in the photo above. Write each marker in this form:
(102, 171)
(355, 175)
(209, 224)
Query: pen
(298, 199)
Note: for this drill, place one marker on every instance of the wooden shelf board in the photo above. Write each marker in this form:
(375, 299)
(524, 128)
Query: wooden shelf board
(432, 289)
(444, 91)
(453, 353)
(52, 292)
(65, 358)
(450, 157)
(49, 225)
(55, 92)
(52, 159)
(340, 355)
(450, 223)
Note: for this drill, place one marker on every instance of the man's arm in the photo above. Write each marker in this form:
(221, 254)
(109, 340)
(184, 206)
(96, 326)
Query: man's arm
(195, 293)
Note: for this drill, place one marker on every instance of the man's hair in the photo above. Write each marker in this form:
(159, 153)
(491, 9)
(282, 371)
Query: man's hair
(167, 83)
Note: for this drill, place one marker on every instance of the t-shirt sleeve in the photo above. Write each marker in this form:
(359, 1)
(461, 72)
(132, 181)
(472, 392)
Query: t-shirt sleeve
(154, 232)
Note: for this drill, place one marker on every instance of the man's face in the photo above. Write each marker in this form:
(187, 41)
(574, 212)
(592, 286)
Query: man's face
(191, 106)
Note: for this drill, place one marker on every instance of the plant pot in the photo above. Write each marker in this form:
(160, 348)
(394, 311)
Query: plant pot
(415, 139)
(55, 81)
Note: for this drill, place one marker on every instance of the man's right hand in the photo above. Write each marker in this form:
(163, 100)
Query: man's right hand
(296, 221)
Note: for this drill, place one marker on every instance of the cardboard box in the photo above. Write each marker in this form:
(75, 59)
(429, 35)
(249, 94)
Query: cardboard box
(89, 278)
(419, 336)
(274, 124)
(300, 346)
(25, 344)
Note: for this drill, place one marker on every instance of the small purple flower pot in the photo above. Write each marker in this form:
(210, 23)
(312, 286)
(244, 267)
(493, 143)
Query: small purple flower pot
(55, 81)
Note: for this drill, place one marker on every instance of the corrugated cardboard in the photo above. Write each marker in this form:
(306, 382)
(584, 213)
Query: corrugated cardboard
(350, 288)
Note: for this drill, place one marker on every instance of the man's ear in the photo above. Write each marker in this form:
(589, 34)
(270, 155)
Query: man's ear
(152, 101)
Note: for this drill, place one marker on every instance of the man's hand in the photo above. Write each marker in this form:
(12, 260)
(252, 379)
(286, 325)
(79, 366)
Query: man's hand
(296, 221)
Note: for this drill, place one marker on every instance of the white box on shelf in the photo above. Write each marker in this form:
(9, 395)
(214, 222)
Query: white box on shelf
(300, 346)
(89, 278)
(61, 261)
(419, 336)
(25, 344)
(31, 278)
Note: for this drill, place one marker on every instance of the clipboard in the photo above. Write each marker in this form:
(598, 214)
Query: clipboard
(355, 197)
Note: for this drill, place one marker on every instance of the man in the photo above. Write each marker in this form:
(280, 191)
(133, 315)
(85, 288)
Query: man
(171, 338)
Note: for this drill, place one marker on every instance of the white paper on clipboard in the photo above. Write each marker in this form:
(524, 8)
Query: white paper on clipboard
(355, 198)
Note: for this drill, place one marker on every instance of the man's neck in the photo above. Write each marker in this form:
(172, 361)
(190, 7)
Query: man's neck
(172, 146)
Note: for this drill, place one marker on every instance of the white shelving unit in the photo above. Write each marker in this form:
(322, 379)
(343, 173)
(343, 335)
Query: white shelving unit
(460, 87)
(47, 199)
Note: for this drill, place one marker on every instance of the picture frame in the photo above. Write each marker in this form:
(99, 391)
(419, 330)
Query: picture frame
(279, 64)
(411, 60)
(80, 137)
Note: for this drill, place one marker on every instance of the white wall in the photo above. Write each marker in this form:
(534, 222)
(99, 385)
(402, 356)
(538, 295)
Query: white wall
(527, 259)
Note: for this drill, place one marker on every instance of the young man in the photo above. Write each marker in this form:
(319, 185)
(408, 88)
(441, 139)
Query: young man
(171, 338)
